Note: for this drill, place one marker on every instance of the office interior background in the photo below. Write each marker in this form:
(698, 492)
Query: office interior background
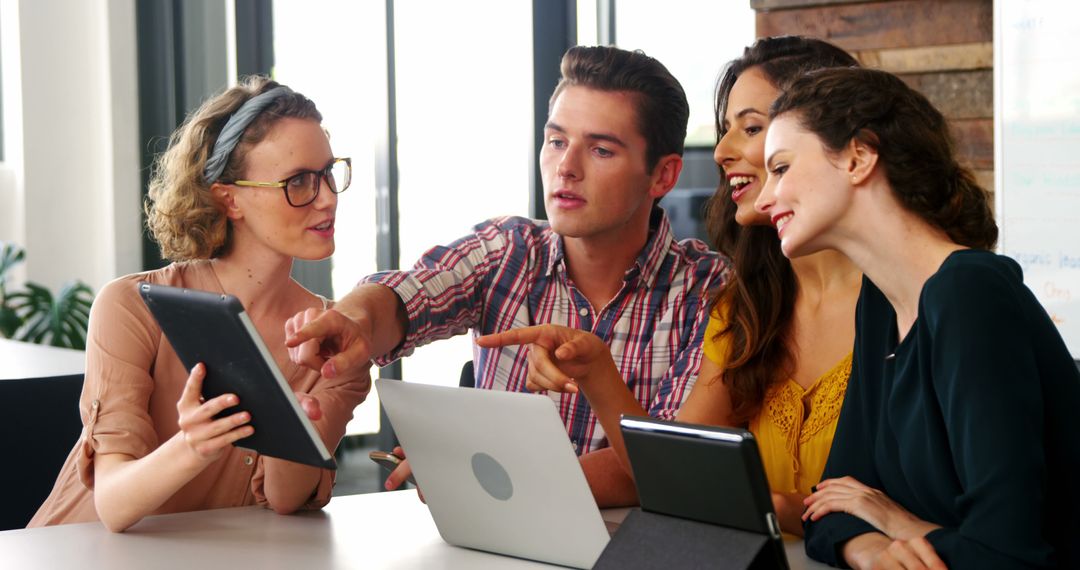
(440, 104)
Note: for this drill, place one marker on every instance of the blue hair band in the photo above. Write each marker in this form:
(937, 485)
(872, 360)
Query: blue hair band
(234, 129)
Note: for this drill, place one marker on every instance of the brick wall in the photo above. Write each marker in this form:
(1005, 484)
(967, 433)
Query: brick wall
(943, 48)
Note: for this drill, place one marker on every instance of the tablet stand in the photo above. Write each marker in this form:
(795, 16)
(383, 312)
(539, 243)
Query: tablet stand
(651, 540)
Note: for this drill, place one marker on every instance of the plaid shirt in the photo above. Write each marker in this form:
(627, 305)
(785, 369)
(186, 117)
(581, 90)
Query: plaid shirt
(511, 272)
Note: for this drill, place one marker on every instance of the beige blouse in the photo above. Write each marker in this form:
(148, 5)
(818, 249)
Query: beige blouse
(128, 405)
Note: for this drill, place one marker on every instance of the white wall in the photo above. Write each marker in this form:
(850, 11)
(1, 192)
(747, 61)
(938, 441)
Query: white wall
(69, 187)
(12, 208)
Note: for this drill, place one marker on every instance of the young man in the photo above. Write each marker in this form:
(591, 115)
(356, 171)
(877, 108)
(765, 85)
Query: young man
(607, 263)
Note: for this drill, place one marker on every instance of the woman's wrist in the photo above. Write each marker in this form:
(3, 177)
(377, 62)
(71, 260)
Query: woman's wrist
(860, 552)
(908, 527)
(187, 459)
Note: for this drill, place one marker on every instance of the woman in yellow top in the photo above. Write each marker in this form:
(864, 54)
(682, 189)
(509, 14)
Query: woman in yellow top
(794, 423)
(778, 345)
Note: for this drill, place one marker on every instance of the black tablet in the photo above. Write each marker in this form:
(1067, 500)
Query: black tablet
(214, 329)
(703, 473)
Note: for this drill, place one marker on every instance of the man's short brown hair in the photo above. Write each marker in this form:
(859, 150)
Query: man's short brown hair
(662, 109)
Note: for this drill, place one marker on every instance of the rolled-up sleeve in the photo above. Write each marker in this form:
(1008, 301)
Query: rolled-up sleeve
(121, 345)
(443, 294)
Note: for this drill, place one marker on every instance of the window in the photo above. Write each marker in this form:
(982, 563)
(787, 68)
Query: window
(330, 50)
(694, 39)
(464, 111)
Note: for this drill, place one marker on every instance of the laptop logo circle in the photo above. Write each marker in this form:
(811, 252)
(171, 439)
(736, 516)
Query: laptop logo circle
(492, 477)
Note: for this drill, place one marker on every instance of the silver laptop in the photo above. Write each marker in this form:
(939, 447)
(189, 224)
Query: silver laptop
(498, 471)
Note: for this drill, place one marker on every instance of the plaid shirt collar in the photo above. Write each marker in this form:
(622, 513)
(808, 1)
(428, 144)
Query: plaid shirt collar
(648, 262)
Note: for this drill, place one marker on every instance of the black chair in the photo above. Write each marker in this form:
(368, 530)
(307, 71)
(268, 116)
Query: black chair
(468, 377)
(685, 208)
(39, 424)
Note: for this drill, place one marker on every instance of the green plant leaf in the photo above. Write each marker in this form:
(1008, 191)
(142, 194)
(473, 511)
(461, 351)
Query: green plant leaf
(9, 322)
(10, 256)
(59, 321)
(35, 315)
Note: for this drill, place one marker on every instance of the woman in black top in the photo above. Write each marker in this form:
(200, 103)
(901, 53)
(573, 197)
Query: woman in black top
(959, 439)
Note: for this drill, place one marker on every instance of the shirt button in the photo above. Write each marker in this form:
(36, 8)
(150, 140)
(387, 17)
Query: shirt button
(583, 312)
(575, 446)
(248, 460)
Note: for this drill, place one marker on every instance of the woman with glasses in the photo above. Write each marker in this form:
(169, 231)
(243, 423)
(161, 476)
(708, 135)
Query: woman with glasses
(247, 184)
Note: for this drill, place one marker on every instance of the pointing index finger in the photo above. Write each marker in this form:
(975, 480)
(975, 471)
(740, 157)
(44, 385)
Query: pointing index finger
(526, 335)
(319, 328)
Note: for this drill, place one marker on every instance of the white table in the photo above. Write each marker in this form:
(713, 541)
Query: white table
(21, 360)
(377, 530)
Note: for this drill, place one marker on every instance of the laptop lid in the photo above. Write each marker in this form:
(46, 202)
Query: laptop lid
(498, 471)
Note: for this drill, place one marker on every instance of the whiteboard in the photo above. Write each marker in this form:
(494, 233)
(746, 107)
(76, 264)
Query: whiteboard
(1037, 147)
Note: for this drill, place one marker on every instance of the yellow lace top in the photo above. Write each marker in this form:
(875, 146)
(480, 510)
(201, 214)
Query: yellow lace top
(794, 445)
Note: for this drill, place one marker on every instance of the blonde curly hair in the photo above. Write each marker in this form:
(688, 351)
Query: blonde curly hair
(182, 214)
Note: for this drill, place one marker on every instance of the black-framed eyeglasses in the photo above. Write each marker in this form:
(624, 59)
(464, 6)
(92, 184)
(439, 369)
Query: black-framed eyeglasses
(302, 188)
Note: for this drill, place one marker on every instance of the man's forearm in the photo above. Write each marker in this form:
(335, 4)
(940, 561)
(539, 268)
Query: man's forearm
(610, 482)
(383, 308)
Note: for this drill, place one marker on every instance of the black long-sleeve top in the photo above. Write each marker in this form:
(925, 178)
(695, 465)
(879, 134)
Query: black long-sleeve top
(972, 422)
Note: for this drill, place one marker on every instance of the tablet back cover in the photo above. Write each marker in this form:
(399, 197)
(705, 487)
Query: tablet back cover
(214, 329)
(716, 479)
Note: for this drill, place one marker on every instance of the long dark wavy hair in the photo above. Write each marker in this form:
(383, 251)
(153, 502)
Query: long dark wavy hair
(912, 140)
(759, 300)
